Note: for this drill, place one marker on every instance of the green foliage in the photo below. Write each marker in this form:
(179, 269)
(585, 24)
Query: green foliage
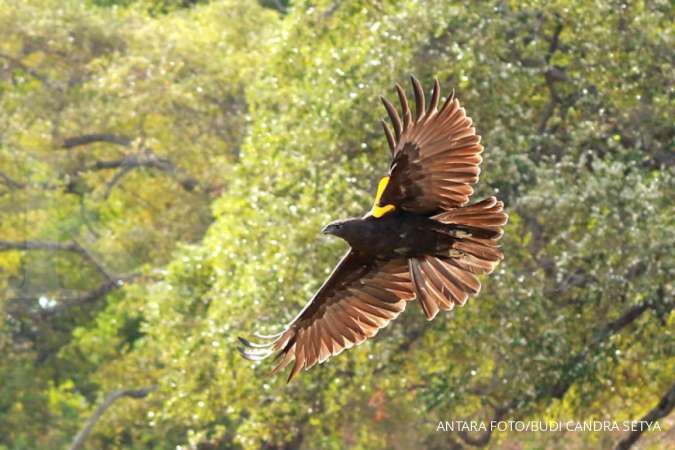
(186, 153)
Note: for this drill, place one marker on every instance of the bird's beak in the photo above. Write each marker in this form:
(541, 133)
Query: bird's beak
(327, 229)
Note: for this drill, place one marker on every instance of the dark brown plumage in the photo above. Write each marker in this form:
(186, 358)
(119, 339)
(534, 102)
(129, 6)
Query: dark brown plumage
(420, 240)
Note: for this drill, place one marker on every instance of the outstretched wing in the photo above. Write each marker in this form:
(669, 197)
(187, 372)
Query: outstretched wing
(435, 155)
(359, 298)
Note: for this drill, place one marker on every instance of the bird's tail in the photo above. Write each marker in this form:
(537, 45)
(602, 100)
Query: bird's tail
(443, 281)
(483, 220)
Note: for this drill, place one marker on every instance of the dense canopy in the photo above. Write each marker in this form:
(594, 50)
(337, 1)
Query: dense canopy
(166, 167)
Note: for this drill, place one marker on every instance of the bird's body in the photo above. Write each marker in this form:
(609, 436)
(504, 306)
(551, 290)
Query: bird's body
(396, 235)
(420, 241)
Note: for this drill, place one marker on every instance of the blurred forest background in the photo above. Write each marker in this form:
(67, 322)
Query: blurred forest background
(166, 165)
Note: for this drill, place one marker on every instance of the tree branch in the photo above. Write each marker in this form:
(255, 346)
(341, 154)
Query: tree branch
(110, 185)
(551, 76)
(551, 73)
(10, 182)
(560, 388)
(664, 407)
(65, 303)
(482, 439)
(86, 430)
(93, 260)
(97, 293)
(13, 185)
(73, 247)
(554, 41)
(39, 245)
(86, 139)
(130, 162)
(24, 68)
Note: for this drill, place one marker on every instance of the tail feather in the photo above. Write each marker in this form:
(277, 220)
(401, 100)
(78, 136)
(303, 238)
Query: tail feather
(487, 214)
(442, 281)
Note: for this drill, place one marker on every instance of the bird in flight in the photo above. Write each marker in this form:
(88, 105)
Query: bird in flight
(420, 241)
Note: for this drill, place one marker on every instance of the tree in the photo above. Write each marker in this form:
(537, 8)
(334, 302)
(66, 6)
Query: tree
(171, 184)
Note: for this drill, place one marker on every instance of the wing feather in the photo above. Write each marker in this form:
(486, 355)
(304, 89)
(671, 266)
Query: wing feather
(359, 298)
(421, 179)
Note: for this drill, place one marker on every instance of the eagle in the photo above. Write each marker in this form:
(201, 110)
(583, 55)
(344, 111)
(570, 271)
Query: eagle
(421, 240)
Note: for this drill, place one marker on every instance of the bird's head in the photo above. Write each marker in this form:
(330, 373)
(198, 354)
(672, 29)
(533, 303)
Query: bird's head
(343, 228)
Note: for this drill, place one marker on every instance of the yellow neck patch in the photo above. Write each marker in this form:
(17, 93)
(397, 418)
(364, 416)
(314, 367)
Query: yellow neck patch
(377, 210)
